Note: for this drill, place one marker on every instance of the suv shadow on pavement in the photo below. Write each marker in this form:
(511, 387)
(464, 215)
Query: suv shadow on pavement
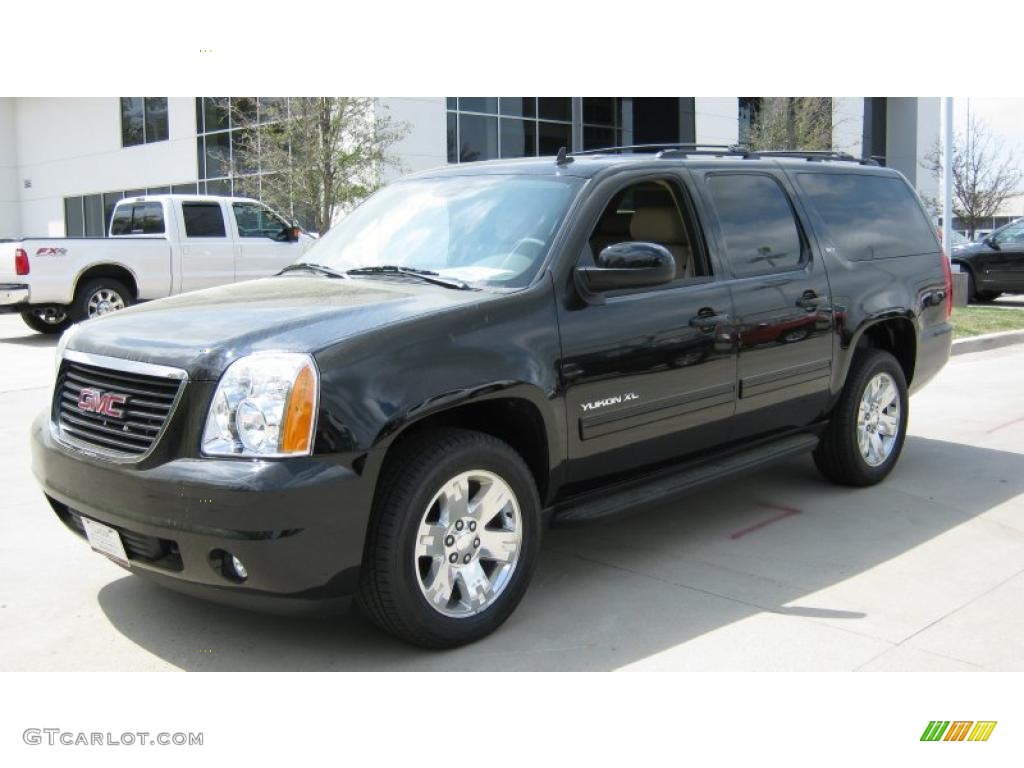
(607, 595)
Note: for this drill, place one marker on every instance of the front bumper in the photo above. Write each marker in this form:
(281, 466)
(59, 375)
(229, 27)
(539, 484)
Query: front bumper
(13, 297)
(298, 524)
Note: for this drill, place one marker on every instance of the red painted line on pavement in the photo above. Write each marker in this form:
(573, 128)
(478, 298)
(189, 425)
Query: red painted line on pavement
(784, 513)
(1003, 426)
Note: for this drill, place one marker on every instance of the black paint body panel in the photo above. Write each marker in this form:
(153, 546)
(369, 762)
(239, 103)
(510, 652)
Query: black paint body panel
(392, 353)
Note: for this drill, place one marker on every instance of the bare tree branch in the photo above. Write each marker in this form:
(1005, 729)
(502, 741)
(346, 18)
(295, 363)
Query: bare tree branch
(985, 174)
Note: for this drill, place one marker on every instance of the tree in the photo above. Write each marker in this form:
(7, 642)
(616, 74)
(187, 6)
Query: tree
(795, 123)
(985, 175)
(317, 157)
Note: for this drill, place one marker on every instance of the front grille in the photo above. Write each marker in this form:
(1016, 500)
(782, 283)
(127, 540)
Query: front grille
(162, 553)
(141, 405)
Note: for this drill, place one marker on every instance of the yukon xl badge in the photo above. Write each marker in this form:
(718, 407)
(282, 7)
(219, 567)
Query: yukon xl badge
(593, 406)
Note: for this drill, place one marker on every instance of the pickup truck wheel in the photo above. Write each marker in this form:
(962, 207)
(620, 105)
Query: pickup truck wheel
(48, 320)
(453, 540)
(98, 297)
(863, 440)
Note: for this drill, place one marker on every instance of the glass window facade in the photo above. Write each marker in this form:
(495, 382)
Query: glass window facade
(486, 128)
(223, 133)
(143, 120)
(89, 215)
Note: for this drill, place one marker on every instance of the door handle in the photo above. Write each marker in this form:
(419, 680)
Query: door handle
(707, 320)
(571, 370)
(810, 300)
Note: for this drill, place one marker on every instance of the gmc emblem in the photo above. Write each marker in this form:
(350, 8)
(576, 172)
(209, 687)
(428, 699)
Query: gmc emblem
(104, 403)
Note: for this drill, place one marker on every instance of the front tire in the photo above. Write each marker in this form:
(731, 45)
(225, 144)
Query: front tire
(453, 540)
(49, 320)
(865, 436)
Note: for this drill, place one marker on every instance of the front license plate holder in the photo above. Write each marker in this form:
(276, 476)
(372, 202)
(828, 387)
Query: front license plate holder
(105, 540)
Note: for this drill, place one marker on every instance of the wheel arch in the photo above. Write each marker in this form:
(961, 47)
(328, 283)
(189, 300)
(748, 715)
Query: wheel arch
(111, 270)
(513, 414)
(896, 335)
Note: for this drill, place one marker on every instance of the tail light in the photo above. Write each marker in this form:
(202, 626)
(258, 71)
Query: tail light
(949, 284)
(20, 261)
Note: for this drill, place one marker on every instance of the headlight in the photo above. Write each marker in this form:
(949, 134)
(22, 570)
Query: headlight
(265, 405)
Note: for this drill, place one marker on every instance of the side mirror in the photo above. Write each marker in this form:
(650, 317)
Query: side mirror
(290, 234)
(991, 243)
(628, 265)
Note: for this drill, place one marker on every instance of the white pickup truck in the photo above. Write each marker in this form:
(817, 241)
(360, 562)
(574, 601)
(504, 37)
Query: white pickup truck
(158, 246)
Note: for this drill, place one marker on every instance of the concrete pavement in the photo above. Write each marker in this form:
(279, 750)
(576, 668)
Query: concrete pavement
(780, 571)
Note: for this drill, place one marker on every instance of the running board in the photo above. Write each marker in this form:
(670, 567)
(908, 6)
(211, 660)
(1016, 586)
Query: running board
(609, 502)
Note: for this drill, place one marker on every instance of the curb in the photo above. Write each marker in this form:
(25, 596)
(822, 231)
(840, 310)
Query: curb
(986, 342)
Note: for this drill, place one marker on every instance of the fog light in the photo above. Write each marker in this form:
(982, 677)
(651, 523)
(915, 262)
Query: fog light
(239, 569)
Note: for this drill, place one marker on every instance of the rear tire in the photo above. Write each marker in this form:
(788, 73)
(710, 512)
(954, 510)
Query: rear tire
(453, 539)
(865, 436)
(99, 296)
(48, 320)
(971, 292)
(979, 297)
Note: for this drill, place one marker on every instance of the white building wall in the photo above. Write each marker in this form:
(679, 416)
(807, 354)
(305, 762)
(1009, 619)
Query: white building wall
(848, 125)
(10, 205)
(426, 144)
(716, 119)
(72, 146)
(929, 111)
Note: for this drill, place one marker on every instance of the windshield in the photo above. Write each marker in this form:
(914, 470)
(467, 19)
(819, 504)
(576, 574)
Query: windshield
(491, 231)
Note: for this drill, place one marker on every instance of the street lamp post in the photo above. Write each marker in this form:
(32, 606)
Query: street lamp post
(947, 175)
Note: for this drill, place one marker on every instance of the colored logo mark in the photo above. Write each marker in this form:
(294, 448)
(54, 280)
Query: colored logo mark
(958, 730)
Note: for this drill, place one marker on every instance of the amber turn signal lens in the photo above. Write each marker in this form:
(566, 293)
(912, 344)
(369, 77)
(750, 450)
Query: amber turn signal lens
(297, 429)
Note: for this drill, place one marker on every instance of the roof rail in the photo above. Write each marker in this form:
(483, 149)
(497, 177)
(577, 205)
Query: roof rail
(722, 148)
(815, 154)
(670, 151)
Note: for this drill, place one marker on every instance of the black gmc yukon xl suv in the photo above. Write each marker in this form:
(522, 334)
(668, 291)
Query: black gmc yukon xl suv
(480, 348)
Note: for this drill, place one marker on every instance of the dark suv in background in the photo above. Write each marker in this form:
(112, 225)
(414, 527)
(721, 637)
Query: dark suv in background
(479, 348)
(995, 264)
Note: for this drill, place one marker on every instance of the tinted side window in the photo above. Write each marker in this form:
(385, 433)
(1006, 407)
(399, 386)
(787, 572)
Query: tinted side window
(149, 217)
(203, 219)
(757, 224)
(138, 219)
(256, 221)
(121, 224)
(1011, 234)
(869, 217)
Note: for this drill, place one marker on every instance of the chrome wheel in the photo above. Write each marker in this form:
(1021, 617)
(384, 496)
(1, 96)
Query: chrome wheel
(878, 419)
(51, 315)
(468, 543)
(102, 301)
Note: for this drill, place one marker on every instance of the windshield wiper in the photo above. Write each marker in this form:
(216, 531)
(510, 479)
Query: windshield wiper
(423, 274)
(310, 267)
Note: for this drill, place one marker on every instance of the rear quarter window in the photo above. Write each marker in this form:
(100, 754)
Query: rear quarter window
(868, 217)
(138, 219)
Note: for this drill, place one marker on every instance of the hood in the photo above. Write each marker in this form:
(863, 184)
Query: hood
(205, 331)
(969, 249)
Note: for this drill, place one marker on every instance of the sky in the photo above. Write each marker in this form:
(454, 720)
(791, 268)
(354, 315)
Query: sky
(1005, 119)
